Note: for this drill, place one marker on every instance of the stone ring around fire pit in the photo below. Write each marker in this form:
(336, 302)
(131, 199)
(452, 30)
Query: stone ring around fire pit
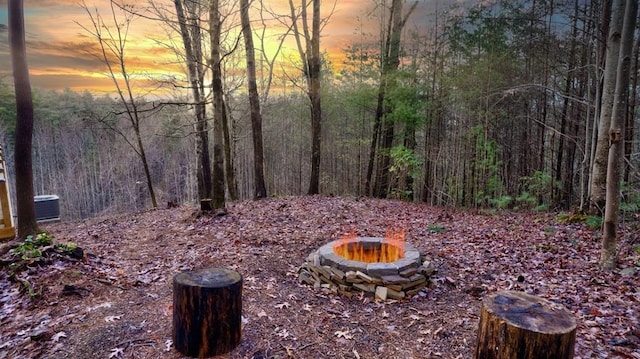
(398, 279)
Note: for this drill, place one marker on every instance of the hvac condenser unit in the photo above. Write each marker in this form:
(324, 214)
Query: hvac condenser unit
(47, 208)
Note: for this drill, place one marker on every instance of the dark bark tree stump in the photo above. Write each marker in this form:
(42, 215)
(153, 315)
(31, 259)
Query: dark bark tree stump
(205, 204)
(519, 325)
(207, 311)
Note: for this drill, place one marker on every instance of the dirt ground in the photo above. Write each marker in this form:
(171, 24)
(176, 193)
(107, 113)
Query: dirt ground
(116, 302)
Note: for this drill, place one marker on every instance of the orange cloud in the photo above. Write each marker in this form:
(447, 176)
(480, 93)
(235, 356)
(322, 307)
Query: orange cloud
(63, 55)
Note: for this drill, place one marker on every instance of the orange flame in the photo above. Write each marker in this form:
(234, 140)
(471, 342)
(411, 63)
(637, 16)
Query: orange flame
(390, 250)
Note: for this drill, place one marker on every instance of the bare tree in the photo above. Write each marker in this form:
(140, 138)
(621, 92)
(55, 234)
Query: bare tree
(310, 56)
(189, 23)
(112, 39)
(27, 224)
(267, 60)
(218, 193)
(384, 130)
(616, 134)
(599, 168)
(254, 102)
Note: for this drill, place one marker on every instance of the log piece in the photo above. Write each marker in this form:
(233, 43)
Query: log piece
(519, 325)
(207, 311)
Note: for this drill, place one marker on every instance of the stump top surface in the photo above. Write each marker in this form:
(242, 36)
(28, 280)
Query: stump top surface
(530, 312)
(209, 278)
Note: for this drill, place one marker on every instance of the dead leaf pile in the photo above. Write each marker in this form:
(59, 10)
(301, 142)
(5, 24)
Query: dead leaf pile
(117, 301)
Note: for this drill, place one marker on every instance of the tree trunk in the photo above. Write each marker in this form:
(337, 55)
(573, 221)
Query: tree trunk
(27, 224)
(145, 165)
(311, 60)
(410, 144)
(218, 192)
(564, 194)
(631, 160)
(599, 170)
(260, 189)
(113, 40)
(390, 63)
(207, 312)
(190, 32)
(313, 57)
(518, 325)
(229, 165)
(616, 135)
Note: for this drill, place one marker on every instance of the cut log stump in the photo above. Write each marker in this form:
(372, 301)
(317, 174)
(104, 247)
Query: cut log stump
(207, 311)
(519, 325)
(206, 204)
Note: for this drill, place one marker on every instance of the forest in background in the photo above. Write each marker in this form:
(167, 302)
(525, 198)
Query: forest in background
(495, 106)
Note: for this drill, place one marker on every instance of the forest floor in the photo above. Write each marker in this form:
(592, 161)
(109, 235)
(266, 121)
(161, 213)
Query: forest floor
(117, 301)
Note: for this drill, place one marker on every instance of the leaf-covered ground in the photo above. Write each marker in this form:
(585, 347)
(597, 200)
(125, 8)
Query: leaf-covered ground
(117, 301)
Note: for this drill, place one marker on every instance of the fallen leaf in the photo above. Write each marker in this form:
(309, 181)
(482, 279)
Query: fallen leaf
(58, 335)
(343, 334)
(116, 353)
(283, 305)
(112, 318)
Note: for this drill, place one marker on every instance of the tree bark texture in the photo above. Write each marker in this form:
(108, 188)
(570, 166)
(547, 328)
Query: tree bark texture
(310, 56)
(390, 63)
(518, 325)
(260, 189)
(616, 137)
(190, 32)
(207, 312)
(314, 66)
(599, 170)
(26, 212)
(229, 163)
(218, 192)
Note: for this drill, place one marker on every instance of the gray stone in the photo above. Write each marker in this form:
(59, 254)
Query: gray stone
(406, 263)
(370, 288)
(394, 279)
(381, 292)
(381, 269)
(427, 268)
(408, 272)
(417, 280)
(395, 294)
(314, 259)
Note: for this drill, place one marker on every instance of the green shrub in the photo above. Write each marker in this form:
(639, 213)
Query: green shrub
(31, 246)
(526, 200)
(503, 202)
(436, 228)
(594, 222)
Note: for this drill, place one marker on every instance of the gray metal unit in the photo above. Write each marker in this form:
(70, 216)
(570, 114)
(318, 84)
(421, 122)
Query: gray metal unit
(47, 208)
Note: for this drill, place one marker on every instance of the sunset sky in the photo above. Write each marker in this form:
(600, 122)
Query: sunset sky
(61, 53)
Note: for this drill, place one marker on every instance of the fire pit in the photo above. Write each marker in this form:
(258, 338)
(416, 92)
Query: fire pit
(387, 267)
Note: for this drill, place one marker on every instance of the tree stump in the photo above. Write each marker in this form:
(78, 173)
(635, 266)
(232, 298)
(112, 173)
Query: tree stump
(205, 204)
(519, 325)
(207, 311)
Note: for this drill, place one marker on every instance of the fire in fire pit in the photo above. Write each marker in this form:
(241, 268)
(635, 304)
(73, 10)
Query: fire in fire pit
(387, 267)
(389, 250)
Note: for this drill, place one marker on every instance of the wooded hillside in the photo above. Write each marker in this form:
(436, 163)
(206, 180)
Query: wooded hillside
(488, 106)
